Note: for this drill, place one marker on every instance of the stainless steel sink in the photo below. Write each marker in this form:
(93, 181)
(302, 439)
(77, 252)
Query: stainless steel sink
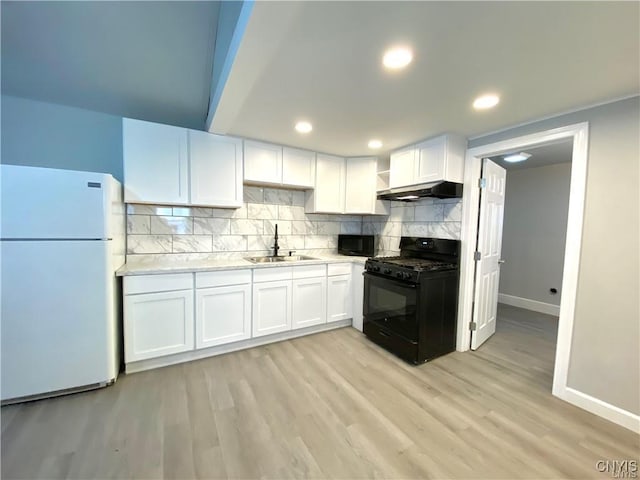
(291, 258)
(297, 258)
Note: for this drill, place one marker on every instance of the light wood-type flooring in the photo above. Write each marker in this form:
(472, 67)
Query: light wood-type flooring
(330, 405)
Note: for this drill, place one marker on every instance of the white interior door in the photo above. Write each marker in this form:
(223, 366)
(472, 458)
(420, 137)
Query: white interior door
(489, 248)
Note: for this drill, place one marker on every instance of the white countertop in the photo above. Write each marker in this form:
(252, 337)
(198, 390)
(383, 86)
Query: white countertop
(164, 265)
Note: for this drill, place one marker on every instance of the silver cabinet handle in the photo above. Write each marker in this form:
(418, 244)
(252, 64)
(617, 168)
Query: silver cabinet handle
(501, 261)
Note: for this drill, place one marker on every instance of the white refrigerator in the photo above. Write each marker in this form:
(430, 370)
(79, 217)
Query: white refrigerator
(62, 237)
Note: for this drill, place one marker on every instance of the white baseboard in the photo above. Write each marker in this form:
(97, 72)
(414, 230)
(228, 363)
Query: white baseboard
(527, 304)
(602, 409)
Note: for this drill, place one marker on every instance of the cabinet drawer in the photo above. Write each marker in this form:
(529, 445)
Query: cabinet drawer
(309, 271)
(157, 283)
(339, 269)
(272, 274)
(222, 278)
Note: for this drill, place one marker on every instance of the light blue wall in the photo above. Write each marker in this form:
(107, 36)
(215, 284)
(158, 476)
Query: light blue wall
(47, 135)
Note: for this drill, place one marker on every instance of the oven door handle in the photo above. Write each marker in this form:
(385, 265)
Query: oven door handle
(391, 280)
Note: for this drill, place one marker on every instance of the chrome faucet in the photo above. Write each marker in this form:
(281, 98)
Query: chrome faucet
(276, 247)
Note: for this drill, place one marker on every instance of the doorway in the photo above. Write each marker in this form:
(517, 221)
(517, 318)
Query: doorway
(535, 227)
(579, 135)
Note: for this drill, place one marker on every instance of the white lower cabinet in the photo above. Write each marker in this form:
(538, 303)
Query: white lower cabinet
(271, 307)
(157, 324)
(309, 302)
(223, 315)
(223, 307)
(168, 314)
(339, 298)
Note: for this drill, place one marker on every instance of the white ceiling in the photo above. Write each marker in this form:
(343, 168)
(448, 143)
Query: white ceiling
(541, 156)
(150, 60)
(321, 61)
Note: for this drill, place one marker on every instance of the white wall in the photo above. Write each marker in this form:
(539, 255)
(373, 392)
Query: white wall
(605, 358)
(535, 227)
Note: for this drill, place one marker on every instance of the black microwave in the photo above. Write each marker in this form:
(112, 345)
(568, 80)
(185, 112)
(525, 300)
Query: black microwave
(358, 245)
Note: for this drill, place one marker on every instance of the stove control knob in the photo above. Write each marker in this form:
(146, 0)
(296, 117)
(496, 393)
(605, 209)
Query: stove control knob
(387, 271)
(406, 276)
(399, 274)
(375, 269)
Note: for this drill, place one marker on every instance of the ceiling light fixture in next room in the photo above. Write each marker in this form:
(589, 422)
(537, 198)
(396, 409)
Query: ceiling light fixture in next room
(516, 157)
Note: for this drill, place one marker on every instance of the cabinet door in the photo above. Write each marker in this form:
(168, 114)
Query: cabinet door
(329, 185)
(262, 162)
(223, 315)
(157, 324)
(156, 166)
(271, 307)
(402, 170)
(431, 159)
(298, 167)
(216, 170)
(309, 302)
(340, 302)
(360, 192)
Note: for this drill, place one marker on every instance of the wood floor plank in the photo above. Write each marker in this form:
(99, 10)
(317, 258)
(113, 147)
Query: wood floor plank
(329, 405)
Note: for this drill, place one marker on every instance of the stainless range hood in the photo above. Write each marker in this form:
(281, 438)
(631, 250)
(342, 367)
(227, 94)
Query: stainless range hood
(413, 193)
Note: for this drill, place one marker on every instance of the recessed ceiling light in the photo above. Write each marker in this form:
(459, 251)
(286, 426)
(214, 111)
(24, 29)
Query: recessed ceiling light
(397, 57)
(303, 127)
(517, 157)
(486, 101)
(374, 144)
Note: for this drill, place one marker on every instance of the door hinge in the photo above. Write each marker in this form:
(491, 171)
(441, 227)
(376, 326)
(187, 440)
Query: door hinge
(482, 182)
(472, 326)
(477, 256)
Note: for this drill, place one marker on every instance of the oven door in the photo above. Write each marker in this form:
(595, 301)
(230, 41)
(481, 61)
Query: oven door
(391, 304)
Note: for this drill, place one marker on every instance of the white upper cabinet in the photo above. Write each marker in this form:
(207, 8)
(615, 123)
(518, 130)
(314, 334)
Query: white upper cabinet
(262, 162)
(216, 169)
(345, 186)
(361, 179)
(298, 167)
(328, 195)
(169, 165)
(441, 158)
(435, 160)
(402, 168)
(268, 164)
(156, 163)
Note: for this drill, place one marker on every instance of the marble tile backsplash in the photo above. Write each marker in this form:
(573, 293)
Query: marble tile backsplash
(183, 233)
(194, 232)
(428, 217)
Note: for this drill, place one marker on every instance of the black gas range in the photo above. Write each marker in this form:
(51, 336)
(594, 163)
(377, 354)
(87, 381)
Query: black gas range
(410, 301)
